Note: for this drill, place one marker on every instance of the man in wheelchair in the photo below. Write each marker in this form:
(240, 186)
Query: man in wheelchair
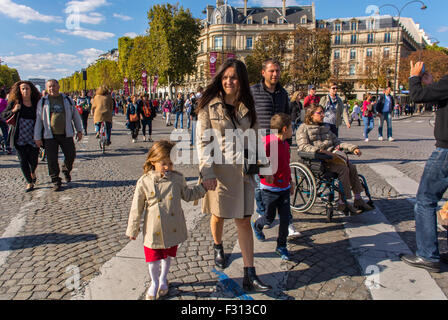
(316, 138)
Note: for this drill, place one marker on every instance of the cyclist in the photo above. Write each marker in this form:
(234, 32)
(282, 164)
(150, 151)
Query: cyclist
(102, 107)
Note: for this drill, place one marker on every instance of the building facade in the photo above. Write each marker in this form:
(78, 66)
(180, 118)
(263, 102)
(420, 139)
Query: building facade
(228, 31)
(39, 83)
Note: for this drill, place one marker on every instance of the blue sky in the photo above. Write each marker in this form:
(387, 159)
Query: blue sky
(39, 38)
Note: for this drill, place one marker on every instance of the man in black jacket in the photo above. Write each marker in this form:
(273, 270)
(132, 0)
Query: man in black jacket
(434, 181)
(270, 99)
(385, 108)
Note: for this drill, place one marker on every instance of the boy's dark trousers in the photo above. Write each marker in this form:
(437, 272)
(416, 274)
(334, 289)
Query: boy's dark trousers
(52, 150)
(274, 201)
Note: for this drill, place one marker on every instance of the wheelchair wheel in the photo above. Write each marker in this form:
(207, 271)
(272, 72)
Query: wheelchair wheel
(305, 193)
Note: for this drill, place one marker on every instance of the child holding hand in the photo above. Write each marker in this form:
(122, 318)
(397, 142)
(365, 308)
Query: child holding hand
(159, 192)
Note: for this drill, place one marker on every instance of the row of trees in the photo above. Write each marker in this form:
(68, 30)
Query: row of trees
(8, 76)
(169, 50)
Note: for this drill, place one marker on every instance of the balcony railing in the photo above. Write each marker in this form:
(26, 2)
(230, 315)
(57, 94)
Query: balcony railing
(361, 42)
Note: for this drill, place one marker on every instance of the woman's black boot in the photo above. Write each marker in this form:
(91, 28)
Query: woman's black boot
(220, 258)
(252, 283)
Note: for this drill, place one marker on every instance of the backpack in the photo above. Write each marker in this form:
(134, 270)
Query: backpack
(146, 110)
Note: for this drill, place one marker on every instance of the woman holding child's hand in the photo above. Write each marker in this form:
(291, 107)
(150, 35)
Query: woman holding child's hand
(227, 104)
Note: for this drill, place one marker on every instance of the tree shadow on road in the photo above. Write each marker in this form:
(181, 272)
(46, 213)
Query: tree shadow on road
(31, 241)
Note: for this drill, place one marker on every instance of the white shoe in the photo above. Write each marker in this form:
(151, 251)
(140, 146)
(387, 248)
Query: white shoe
(134, 141)
(144, 138)
(292, 232)
(380, 139)
(391, 139)
(367, 140)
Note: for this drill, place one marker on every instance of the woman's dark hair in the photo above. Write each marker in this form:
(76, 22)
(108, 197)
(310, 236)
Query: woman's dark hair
(2, 94)
(215, 89)
(310, 112)
(16, 96)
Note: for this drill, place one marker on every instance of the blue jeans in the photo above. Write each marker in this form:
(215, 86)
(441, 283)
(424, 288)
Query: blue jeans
(258, 197)
(273, 202)
(432, 186)
(193, 131)
(386, 116)
(188, 121)
(108, 129)
(369, 124)
(181, 115)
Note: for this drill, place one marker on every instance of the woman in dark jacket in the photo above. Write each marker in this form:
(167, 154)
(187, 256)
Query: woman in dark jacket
(133, 116)
(296, 108)
(23, 98)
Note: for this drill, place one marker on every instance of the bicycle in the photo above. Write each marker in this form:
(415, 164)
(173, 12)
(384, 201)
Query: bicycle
(102, 138)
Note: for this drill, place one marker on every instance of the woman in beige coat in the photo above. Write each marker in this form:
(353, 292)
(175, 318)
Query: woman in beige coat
(314, 136)
(158, 194)
(102, 108)
(228, 105)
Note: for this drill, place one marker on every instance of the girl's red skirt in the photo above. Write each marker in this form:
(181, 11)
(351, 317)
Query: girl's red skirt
(153, 255)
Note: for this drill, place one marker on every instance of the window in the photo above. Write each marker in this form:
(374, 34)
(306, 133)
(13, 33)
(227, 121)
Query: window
(322, 26)
(337, 40)
(370, 24)
(354, 25)
(353, 39)
(249, 43)
(265, 20)
(352, 70)
(337, 27)
(369, 52)
(370, 38)
(337, 54)
(202, 46)
(352, 54)
(218, 42)
(303, 20)
(386, 52)
(387, 37)
(250, 20)
(280, 20)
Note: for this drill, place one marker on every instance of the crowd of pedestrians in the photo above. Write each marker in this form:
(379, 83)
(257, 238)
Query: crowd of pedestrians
(228, 191)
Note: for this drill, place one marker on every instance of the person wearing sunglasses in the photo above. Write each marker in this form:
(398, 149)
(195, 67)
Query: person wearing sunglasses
(316, 137)
(334, 110)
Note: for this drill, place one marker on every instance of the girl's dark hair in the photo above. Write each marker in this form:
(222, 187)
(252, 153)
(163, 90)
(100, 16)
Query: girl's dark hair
(215, 89)
(2, 94)
(16, 96)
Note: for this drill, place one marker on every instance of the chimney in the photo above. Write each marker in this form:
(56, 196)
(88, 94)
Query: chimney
(245, 8)
(284, 9)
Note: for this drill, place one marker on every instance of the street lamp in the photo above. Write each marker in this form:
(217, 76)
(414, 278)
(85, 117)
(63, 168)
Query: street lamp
(398, 35)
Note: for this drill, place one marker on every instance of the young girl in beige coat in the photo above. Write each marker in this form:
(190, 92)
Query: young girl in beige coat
(159, 192)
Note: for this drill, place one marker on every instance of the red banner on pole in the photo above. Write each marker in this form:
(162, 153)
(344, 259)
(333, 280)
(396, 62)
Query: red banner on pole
(156, 83)
(145, 80)
(126, 87)
(213, 59)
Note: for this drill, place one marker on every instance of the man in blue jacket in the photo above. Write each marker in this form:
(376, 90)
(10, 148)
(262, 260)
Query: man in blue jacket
(434, 181)
(385, 108)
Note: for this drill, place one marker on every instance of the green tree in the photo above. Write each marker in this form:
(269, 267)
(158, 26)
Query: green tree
(269, 45)
(378, 72)
(311, 57)
(125, 46)
(8, 76)
(174, 40)
(139, 59)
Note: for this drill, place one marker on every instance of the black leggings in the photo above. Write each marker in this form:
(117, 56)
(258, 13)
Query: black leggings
(28, 157)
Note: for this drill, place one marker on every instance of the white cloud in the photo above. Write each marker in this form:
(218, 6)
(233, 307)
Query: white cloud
(90, 55)
(44, 39)
(443, 29)
(85, 6)
(56, 65)
(25, 14)
(131, 35)
(89, 34)
(91, 18)
(122, 17)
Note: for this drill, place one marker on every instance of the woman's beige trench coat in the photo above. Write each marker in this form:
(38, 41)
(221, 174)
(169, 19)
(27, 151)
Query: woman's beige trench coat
(164, 221)
(235, 193)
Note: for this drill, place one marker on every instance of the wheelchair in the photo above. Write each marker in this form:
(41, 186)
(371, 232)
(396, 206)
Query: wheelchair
(314, 181)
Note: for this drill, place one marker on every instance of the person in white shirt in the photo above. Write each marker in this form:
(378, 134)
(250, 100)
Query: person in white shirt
(356, 114)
